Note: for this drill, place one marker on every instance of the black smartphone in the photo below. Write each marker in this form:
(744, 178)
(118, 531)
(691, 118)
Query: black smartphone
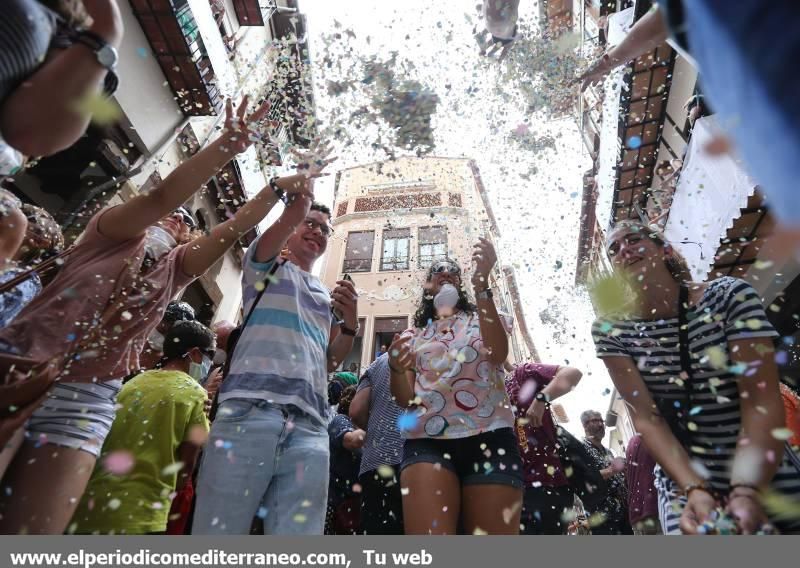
(337, 315)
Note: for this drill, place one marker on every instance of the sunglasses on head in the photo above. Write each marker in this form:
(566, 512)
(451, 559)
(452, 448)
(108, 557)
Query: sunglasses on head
(442, 267)
(186, 217)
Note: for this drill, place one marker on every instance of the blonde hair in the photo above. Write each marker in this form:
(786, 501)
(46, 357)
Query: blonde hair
(675, 263)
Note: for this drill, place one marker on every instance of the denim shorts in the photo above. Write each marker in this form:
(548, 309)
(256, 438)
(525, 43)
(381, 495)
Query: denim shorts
(491, 458)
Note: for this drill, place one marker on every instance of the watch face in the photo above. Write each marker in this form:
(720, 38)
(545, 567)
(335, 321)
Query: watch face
(107, 56)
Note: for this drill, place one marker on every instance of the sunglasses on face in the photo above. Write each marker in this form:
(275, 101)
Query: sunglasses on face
(324, 228)
(187, 219)
(445, 267)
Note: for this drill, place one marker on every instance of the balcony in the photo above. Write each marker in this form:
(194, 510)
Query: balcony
(287, 23)
(172, 31)
(254, 12)
(227, 190)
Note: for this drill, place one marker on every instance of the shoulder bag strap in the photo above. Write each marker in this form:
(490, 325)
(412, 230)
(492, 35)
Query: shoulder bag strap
(234, 340)
(273, 269)
(683, 343)
(39, 268)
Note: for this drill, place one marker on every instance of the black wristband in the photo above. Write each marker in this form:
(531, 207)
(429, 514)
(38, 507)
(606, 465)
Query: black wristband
(278, 191)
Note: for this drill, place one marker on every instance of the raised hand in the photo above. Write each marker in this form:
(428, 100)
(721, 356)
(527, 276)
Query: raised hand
(240, 129)
(485, 257)
(344, 299)
(313, 161)
(595, 73)
(401, 356)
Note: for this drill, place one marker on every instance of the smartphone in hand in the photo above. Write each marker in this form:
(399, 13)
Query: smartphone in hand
(338, 318)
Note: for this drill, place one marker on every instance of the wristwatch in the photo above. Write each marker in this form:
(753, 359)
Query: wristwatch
(106, 54)
(542, 397)
(347, 331)
(484, 294)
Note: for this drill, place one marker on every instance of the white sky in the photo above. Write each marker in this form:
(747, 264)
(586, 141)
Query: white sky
(538, 217)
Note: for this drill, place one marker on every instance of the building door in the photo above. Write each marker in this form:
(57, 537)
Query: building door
(352, 363)
(385, 329)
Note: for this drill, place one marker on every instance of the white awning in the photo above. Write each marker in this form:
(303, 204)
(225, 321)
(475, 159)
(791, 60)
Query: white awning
(711, 190)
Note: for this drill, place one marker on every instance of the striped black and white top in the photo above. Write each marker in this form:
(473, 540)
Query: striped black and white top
(729, 309)
(26, 30)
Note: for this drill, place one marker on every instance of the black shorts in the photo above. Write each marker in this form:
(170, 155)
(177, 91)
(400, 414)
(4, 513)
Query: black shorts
(491, 458)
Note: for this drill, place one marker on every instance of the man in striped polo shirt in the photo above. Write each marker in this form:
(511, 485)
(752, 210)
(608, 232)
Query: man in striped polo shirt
(268, 451)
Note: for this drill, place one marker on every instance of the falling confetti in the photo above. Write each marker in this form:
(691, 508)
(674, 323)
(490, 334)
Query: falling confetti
(102, 110)
(119, 462)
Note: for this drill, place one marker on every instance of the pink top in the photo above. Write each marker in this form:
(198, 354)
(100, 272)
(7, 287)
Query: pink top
(461, 391)
(77, 300)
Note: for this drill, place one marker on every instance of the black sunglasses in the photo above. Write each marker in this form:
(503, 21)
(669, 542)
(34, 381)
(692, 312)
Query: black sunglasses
(441, 267)
(186, 217)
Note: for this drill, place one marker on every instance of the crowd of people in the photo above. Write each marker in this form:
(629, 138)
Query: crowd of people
(121, 413)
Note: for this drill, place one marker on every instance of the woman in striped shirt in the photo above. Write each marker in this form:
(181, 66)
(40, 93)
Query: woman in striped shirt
(711, 426)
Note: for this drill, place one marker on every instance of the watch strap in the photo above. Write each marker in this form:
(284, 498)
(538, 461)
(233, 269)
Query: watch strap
(347, 331)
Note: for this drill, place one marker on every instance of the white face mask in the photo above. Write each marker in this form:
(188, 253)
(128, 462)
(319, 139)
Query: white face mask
(158, 242)
(445, 300)
(199, 371)
(156, 340)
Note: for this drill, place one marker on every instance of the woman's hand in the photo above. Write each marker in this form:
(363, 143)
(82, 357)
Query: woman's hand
(698, 509)
(596, 72)
(401, 356)
(535, 413)
(484, 257)
(240, 130)
(744, 506)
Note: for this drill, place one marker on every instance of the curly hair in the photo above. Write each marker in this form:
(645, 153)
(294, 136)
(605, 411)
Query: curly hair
(426, 312)
(43, 236)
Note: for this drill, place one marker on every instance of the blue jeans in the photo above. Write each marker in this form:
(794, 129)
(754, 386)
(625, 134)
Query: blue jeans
(267, 460)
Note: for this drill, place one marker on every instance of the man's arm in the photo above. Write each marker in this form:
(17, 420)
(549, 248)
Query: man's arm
(310, 164)
(344, 299)
(274, 238)
(206, 250)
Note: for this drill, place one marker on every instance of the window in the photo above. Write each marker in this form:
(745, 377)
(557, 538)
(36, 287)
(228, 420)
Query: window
(396, 249)
(432, 245)
(358, 253)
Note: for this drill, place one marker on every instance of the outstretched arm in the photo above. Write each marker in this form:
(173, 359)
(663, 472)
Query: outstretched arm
(133, 217)
(206, 250)
(645, 35)
(38, 117)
